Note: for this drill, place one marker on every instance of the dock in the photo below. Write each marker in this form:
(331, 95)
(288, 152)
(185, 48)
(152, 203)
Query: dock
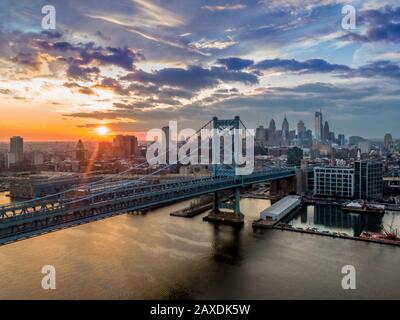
(190, 212)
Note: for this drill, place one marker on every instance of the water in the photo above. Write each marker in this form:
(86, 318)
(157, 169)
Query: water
(161, 257)
(4, 198)
(333, 219)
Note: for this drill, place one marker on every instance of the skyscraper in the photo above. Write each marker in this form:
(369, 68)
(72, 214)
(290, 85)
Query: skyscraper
(17, 148)
(388, 140)
(261, 136)
(285, 129)
(325, 136)
(272, 126)
(271, 133)
(318, 126)
(125, 146)
(342, 139)
(165, 142)
(301, 130)
(81, 154)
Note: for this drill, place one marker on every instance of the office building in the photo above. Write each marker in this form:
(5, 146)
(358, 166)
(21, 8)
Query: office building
(9, 159)
(364, 146)
(368, 179)
(318, 126)
(81, 154)
(334, 182)
(295, 155)
(125, 146)
(17, 148)
(285, 129)
(301, 130)
(341, 139)
(388, 140)
(325, 136)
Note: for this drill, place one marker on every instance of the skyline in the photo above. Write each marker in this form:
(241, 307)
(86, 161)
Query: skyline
(133, 65)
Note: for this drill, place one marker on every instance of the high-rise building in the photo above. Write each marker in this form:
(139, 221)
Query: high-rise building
(388, 140)
(325, 135)
(10, 159)
(334, 181)
(294, 157)
(368, 179)
(38, 159)
(261, 136)
(165, 142)
(81, 154)
(271, 136)
(341, 139)
(285, 129)
(272, 126)
(318, 126)
(364, 146)
(301, 130)
(17, 147)
(125, 146)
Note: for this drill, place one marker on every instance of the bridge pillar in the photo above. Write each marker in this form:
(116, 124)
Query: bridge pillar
(283, 187)
(233, 216)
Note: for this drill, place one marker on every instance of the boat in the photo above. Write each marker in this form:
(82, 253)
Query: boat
(363, 207)
(387, 237)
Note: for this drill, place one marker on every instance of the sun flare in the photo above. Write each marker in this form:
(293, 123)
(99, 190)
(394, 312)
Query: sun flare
(102, 131)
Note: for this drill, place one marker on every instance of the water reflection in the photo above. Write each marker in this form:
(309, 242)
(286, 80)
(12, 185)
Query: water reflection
(4, 198)
(333, 219)
(226, 244)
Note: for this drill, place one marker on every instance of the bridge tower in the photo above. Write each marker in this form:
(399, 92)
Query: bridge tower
(221, 169)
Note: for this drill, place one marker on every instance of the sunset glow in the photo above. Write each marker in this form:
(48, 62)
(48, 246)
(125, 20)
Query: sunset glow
(102, 131)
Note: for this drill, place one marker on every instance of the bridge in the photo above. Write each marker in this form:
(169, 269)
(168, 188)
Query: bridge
(101, 200)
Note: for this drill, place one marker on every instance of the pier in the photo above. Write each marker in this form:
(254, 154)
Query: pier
(279, 210)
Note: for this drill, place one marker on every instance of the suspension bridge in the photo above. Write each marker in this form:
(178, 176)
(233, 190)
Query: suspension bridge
(101, 199)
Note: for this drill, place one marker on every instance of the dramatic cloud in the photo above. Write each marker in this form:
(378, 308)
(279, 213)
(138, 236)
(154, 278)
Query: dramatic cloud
(235, 63)
(308, 66)
(378, 25)
(141, 63)
(194, 77)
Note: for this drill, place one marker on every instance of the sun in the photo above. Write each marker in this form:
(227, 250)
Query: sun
(102, 131)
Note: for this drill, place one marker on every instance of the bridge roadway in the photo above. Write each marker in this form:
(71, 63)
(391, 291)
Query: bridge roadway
(19, 221)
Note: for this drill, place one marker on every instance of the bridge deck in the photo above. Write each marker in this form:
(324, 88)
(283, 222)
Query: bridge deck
(35, 217)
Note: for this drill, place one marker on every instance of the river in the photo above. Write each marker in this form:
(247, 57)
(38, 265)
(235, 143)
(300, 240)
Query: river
(156, 256)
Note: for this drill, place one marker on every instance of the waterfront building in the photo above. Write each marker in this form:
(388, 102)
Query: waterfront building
(334, 181)
(368, 179)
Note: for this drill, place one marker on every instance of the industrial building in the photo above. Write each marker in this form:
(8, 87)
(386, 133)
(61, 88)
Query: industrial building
(281, 208)
(334, 181)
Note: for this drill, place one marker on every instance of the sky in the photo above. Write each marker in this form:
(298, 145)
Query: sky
(134, 65)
